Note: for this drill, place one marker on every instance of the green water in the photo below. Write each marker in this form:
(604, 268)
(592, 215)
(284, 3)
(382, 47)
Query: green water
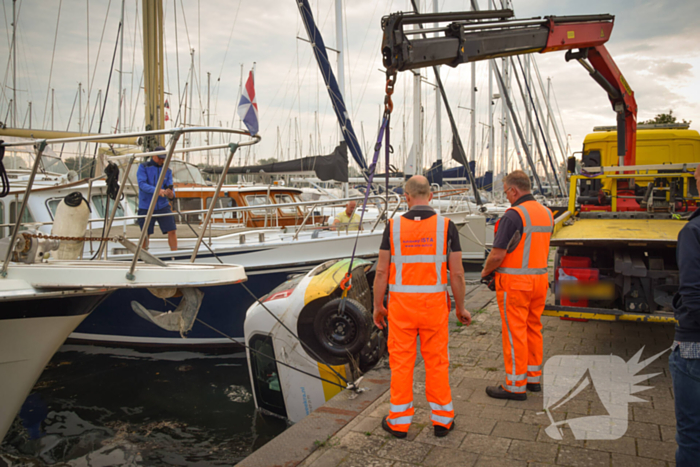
(97, 406)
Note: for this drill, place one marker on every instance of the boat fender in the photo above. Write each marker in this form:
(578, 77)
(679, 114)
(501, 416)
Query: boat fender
(165, 292)
(342, 333)
(71, 220)
(181, 319)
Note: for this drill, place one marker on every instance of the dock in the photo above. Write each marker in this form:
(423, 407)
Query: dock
(347, 431)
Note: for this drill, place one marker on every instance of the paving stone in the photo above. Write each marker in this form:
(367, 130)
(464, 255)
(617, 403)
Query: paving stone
(531, 451)
(361, 443)
(568, 437)
(621, 460)
(487, 445)
(508, 414)
(331, 458)
(657, 450)
(471, 424)
(480, 397)
(535, 417)
(515, 431)
(449, 457)
(452, 440)
(365, 461)
(643, 430)
(368, 424)
(668, 433)
(624, 445)
(656, 416)
(488, 461)
(577, 457)
(534, 402)
(404, 450)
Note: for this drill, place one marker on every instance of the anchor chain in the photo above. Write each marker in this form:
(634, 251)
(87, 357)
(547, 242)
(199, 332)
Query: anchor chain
(73, 239)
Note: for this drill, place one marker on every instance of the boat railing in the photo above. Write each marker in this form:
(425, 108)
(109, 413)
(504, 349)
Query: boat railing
(313, 205)
(175, 134)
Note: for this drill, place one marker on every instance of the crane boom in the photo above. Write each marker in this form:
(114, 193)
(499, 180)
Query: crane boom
(481, 35)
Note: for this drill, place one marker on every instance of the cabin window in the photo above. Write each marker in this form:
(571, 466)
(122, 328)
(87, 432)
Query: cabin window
(26, 218)
(189, 204)
(221, 203)
(100, 203)
(286, 199)
(133, 202)
(258, 200)
(266, 381)
(52, 205)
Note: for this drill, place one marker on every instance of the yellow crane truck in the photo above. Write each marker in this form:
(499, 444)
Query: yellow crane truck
(616, 241)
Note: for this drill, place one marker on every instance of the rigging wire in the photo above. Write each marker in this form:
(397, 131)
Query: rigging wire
(53, 54)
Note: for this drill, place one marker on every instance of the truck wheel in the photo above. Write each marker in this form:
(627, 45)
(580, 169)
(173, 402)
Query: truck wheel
(342, 333)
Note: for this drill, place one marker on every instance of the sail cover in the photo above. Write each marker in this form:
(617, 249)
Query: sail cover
(331, 167)
(324, 65)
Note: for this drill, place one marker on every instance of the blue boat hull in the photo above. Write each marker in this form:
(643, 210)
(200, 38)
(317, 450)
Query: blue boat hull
(223, 309)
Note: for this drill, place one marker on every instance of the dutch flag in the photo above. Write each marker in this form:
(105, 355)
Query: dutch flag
(248, 107)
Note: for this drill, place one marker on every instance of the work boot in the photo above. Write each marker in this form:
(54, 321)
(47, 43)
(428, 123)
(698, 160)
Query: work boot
(534, 387)
(441, 431)
(387, 428)
(497, 392)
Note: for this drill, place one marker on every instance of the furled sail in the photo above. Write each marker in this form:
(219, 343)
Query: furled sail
(334, 166)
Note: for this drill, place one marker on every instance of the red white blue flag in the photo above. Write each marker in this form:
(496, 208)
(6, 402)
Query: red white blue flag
(248, 106)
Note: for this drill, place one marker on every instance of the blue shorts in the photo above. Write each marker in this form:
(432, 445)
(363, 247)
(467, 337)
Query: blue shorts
(166, 223)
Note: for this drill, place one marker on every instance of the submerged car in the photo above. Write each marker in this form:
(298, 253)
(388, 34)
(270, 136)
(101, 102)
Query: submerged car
(305, 342)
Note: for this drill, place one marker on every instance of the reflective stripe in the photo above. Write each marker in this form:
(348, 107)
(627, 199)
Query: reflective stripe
(446, 408)
(418, 288)
(515, 377)
(517, 389)
(400, 408)
(538, 228)
(399, 259)
(510, 336)
(439, 245)
(528, 238)
(534, 379)
(521, 271)
(397, 250)
(440, 419)
(419, 259)
(400, 420)
(534, 368)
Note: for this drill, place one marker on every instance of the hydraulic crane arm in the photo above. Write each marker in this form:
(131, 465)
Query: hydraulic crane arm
(481, 35)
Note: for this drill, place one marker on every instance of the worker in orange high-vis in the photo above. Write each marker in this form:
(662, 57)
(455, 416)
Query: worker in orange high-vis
(519, 258)
(417, 250)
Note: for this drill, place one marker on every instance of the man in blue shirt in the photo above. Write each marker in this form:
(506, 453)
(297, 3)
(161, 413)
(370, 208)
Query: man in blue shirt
(684, 361)
(147, 175)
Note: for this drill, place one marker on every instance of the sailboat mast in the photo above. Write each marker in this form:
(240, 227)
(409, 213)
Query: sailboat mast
(472, 121)
(121, 69)
(153, 68)
(14, 64)
(438, 106)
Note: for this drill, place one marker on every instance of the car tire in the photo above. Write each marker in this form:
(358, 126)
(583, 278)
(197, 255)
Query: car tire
(344, 333)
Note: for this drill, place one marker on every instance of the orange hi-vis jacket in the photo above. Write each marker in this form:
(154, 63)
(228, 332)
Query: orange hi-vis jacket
(419, 306)
(521, 292)
(531, 255)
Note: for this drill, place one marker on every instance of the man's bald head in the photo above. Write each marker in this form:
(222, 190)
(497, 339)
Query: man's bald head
(350, 207)
(418, 187)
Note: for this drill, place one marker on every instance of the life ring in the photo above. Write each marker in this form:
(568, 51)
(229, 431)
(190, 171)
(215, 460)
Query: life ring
(342, 333)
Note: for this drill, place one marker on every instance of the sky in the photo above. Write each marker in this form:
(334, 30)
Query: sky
(66, 42)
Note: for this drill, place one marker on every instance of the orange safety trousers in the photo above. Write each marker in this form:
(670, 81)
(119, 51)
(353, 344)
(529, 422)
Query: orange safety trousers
(419, 307)
(521, 290)
(521, 300)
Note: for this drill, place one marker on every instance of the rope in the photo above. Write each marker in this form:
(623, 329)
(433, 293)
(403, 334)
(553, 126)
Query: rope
(268, 357)
(5, 190)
